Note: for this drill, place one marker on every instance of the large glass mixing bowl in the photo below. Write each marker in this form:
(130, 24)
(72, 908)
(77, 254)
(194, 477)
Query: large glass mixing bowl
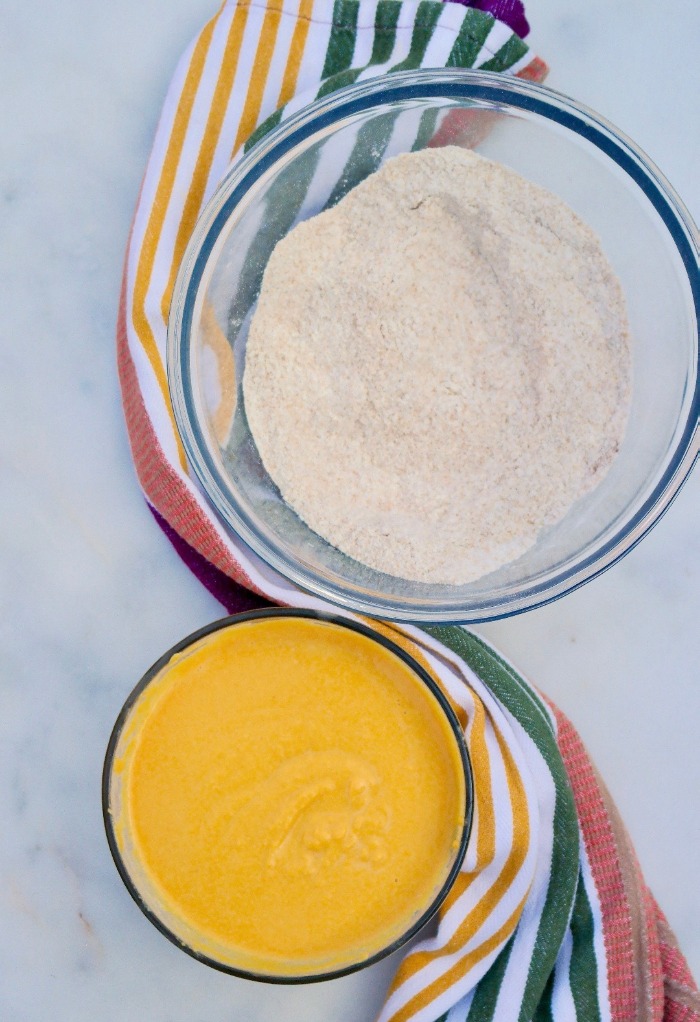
(308, 162)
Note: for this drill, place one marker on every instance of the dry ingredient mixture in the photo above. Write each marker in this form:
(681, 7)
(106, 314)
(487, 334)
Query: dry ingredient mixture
(438, 366)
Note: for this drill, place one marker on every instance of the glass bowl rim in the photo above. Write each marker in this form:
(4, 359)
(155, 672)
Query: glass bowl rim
(449, 84)
(419, 671)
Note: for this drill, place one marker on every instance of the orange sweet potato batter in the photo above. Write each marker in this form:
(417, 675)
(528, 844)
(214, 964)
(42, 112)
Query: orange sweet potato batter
(291, 796)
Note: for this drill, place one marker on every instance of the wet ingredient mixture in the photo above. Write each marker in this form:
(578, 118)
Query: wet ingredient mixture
(438, 367)
(292, 796)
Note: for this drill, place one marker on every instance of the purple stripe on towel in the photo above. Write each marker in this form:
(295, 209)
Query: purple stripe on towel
(511, 12)
(234, 597)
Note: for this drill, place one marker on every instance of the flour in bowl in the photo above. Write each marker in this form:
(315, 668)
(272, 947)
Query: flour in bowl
(438, 367)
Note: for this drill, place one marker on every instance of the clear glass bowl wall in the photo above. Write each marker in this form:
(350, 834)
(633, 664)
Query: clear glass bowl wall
(310, 161)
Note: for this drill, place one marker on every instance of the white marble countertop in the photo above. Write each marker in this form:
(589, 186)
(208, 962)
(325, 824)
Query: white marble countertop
(92, 592)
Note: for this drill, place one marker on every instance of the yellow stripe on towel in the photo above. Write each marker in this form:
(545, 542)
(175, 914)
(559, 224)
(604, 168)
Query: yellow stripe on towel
(200, 174)
(258, 79)
(296, 52)
(156, 219)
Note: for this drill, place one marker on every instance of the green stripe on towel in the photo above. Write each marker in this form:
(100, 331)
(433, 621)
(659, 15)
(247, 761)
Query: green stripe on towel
(583, 971)
(341, 45)
(531, 713)
(472, 35)
(426, 19)
(508, 54)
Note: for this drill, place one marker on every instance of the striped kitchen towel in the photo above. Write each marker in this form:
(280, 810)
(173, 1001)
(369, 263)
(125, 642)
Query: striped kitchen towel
(549, 917)
(587, 942)
(254, 61)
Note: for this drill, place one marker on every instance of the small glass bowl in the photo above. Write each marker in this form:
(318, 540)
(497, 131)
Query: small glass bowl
(316, 155)
(134, 876)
